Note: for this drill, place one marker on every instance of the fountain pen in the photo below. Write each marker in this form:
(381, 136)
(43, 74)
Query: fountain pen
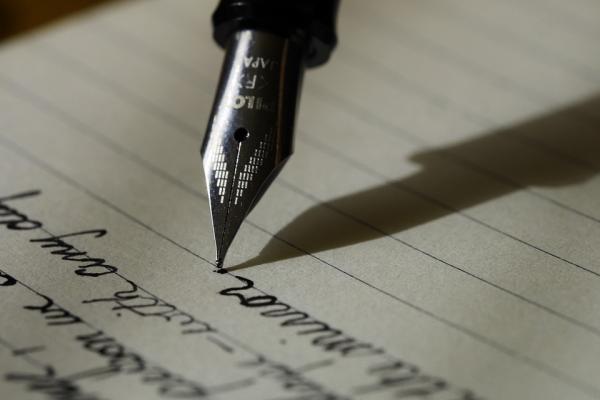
(268, 44)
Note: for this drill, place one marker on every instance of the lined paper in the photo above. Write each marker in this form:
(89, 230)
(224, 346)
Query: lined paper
(436, 234)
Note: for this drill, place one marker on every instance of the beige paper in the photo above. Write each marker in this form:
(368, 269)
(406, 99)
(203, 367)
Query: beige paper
(436, 234)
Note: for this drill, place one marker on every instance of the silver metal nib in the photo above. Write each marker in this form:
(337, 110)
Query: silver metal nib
(250, 131)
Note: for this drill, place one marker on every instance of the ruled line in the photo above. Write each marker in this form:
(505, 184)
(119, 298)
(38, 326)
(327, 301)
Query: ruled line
(561, 14)
(27, 357)
(524, 44)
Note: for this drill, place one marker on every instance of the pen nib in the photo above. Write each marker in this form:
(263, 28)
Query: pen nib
(249, 134)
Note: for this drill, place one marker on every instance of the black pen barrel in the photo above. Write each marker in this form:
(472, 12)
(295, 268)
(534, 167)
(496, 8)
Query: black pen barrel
(311, 22)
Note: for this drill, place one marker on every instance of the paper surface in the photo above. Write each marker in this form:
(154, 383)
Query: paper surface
(436, 234)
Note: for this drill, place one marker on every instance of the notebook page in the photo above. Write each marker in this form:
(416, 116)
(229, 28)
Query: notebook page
(435, 235)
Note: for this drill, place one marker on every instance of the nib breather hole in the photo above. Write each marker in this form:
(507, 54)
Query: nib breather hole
(241, 134)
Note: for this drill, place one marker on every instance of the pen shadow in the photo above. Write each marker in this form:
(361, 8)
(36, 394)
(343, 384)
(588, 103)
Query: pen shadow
(554, 150)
